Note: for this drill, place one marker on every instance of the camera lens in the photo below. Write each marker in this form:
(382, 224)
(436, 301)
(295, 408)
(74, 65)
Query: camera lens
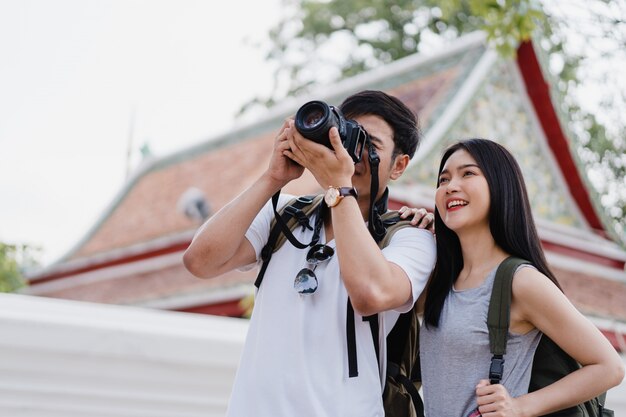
(314, 119)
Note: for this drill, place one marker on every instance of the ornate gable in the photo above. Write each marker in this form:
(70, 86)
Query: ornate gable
(499, 111)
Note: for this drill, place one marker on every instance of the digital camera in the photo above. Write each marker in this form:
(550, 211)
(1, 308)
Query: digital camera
(315, 118)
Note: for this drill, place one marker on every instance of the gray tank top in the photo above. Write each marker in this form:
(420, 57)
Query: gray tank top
(455, 356)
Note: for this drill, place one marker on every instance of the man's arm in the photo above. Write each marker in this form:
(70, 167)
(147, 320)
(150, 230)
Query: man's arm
(374, 283)
(220, 244)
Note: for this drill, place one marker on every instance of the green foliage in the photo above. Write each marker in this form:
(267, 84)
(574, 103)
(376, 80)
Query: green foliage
(374, 32)
(507, 23)
(247, 305)
(13, 258)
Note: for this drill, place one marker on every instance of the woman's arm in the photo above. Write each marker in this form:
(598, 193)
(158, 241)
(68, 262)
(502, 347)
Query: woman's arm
(539, 302)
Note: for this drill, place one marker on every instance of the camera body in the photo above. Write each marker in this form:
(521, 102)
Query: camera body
(315, 118)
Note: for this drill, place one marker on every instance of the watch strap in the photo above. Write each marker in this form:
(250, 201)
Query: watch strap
(347, 191)
(334, 195)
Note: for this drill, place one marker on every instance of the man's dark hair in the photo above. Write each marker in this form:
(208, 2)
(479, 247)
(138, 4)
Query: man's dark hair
(393, 111)
(510, 222)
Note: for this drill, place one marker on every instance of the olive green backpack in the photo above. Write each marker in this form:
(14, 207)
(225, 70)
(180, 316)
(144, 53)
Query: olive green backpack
(550, 362)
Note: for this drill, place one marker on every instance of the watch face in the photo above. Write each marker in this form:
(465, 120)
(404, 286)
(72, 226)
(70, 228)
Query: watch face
(331, 197)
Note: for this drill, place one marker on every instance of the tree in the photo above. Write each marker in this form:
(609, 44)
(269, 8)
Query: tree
(321, 41)
(13, 260)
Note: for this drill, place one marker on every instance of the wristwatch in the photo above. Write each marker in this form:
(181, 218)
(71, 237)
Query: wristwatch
(334, 195)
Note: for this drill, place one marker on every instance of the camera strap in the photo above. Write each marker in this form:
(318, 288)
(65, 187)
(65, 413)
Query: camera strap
(295, 213)
(377, 208)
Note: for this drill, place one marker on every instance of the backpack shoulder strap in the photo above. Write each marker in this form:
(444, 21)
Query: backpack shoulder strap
(294, 213)
(298, 211)
(499, 314)
(393, 223)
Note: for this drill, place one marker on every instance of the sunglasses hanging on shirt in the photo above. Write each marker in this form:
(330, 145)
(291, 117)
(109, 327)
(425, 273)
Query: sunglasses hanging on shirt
(306, 281)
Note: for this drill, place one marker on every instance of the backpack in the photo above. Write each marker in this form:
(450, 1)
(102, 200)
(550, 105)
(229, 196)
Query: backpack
(400, 396)
(550, 362)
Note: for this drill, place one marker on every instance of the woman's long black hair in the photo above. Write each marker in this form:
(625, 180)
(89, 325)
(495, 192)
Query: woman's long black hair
(510, 221)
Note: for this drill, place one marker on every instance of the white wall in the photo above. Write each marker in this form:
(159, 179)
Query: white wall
(63, 358)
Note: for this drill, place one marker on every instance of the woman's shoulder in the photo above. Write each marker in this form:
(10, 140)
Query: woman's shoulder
(532, 286)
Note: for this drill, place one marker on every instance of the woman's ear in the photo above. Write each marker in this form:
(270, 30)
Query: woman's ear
(399, 166)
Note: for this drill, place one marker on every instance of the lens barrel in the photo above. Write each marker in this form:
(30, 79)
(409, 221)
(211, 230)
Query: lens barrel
(314, 119)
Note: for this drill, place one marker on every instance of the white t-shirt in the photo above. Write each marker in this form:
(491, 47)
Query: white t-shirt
(295, 359)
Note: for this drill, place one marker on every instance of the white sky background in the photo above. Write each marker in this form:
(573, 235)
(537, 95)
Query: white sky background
(72, 72)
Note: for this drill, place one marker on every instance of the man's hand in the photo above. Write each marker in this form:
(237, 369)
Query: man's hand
(282, 169)
(420, 217)
(330, 167)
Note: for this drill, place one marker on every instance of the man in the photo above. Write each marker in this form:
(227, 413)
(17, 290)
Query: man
(295, 361)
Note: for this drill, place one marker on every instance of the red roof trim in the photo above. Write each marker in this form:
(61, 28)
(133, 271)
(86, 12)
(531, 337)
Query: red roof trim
(539, 94)
(613, 336)
(230, 308)
(176, 247)
(584, 256)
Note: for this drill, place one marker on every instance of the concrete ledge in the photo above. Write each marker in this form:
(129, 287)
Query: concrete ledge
(71, 359)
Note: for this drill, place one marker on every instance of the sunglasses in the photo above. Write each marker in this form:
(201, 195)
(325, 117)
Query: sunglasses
(306, 281)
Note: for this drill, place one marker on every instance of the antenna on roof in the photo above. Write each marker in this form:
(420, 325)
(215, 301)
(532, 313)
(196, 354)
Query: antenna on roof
(131, 133)
(194, 205)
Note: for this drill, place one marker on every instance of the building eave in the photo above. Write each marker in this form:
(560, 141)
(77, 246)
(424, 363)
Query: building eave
(538, 90)
(146, 250)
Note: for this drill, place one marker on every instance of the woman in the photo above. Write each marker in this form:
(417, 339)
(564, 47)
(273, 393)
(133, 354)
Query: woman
(482, 217)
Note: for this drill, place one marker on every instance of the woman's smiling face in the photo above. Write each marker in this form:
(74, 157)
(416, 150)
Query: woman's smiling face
(462, 196)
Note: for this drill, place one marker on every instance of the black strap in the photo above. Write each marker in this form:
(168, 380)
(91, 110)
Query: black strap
(375, 224)
(283, 224)
(496, 369)
(374, 327)
(413, 392)
(266, 255)
(393, 371)
(353, 368)
(291, 210)
(499, 315)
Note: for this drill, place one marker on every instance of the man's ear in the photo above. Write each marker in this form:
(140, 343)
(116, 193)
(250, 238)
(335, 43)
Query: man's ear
(399, 166)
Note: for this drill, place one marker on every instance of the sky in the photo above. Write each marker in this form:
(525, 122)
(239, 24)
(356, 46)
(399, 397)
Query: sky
(80, 80)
